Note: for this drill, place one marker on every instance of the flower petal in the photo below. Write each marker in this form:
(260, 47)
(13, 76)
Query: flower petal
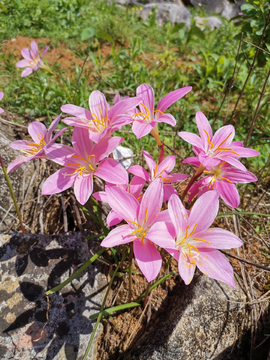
(37, 131)
(238, 176)
(21, 145)
(204, 211)
(118, 236)
(26, 54)
(215, 265)
(172, 97)
(186, 268)
(16, 163)
(166, 165)
(218, 239)
(112, 171)
(192, 160)
(59, 181)
(148, 259)
(106, 146)
(149, 161)
(140, 172)
(83, 188)
(77, 111)
(178, 214)
(166, 118)
(136, 186)
(245, 152)
(141, 129)
(113, 218)
(122, 107)
(204, 127)
(26, 72)
(82, 143)
(146, 93)
(98, 104)
(191, 138)
(162, 234)
(22, 63)
(223, 136)
(61, 154)
(44, 51)
(228, 192)
(34, 50)
(51, 128)
(168, 191)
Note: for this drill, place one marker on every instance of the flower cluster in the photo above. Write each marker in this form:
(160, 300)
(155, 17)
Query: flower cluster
(149, 208)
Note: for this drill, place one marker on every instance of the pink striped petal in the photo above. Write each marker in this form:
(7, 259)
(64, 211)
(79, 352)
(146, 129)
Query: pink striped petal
(146, 93)
(100, 196)
(178, 215)
(16, 163)
(62, 155)
(192, 160)
(141, 129)
(245, 152)
(228, 192)
(112, 171)
(113, 218)
(98, 103)
(239, 176)
(186, 268)
(22, 63)
(106, 146)
(194, 190)
(26, 72)
(26, 54)
(233, 161)
(77, 111)
(1, 95)
(118, 236)
(82, 143)
(44, 51)
(148, 259)
(140, 172)
(175, 177)
(59, 181)
(203, 126)
(191, 138)
(164, 216)
(172, 97)
(83, 188)
(204, 211)
(166, 118)
(20, 145)
(218, 239)
(162, 234)
(215, 265)
(34, 50)
(223, 135)
(168, 191)
(168, 164)
(151, 203)
(122, 203)
(52, 127)
(123, 106)
(149, 161)
(37, 130)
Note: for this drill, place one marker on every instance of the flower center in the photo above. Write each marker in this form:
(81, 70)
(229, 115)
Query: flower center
(140, 231)
(219, 148)
(146, 115)
(37, 147)
(99, 122)
(84, 169)
(215, 172)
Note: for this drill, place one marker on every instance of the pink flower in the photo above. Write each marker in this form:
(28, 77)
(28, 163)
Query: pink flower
(161, 171)
(32, 61)
(211, 150)
(140, 217)
(192, 243)
(102, 119)
(1, 97)
(134, 188)
(81, 163)
(146, 121)
(35, 150)
(222, 178)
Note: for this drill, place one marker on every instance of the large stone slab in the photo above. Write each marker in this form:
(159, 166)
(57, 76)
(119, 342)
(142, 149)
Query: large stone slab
(202, 321)
(223, 7)
(30, 265)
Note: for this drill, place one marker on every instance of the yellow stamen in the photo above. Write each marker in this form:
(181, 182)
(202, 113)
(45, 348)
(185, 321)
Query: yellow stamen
(73, 164)
(197, 239)
(193, 230)
(208, 139)
(133, 222)
(225, 179)
(143, 237)
(136, 231)
(145, 216)
(78, 157)
(159, 112)
(91, 167)
(90, 156)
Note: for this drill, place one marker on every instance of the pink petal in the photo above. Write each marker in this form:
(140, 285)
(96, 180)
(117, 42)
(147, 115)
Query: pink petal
(136, 186)
(192, 160)
(148, 259)
(118, 236)
(218, 239)
(83, 188)
(172, 97)
(239, 176)
(215, 265)
(16, 163)
(164, 216)
(186, 268)
(1, 110)
(26, 72)
(106, 146)
(162, 234)
(167, 164)
(233, 161)
(178, 215)
(44, 51)
(52, 127)
(34, 50)
(59, 133)
(149, 161)
(146, 93)
(22, 63)
(112, 171)
(224, 133)
(194, 190)
(37, 131)
(141, 129)
(82, 143)
(151, 203)
(59, 181)
(174, 177)
(140, 172)
(26, 54)
(98, 103)
(61, 154)
(100, 196)
(168, 191)
(203, 125)
(113, 218)
(122, 203)
(228, 192)
(77, 111)
(123, 106)
(166, 118)
(245, 152)
(191, 138)
(21, 145)
(1, 95)
(204, 211)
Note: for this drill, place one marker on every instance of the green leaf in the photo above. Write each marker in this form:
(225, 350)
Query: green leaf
(102, 34)
(247, 7)
(241, 213)
(88, 33)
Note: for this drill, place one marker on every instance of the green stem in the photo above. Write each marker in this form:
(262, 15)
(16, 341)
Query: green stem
(146, 294)
(12, 193)
(197, 174)
(60, 82)
(101, 309)
(130, 272)
(241, 213)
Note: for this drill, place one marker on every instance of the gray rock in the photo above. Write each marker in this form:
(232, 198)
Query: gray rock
(201, 321)
(30, 265)
(231, 10)
(223, 7)
(124, 155)
(211, 22)
(174, 13)
(20, 180)
(142, 2)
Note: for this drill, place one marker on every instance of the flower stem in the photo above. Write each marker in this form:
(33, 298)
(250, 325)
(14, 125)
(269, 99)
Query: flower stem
(197, 174)
(60, 82)
(12, 193)
(146, 294)
(160, 153)
(130, 272)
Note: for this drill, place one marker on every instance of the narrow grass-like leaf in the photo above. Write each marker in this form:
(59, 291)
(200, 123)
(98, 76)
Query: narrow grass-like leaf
(242, 213)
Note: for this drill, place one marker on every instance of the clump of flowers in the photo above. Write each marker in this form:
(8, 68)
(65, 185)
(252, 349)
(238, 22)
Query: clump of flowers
(32, 61)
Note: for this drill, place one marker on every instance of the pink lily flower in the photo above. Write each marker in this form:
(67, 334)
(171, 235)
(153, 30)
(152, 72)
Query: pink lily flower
(140, 217)
(134, 188)
(32, 61)
(192, 242)
(82, 163)
(1, 97)
(102, 119)
(222, 178)
(36, 149)
(161, 171)
(211, 150)
(146, 121)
